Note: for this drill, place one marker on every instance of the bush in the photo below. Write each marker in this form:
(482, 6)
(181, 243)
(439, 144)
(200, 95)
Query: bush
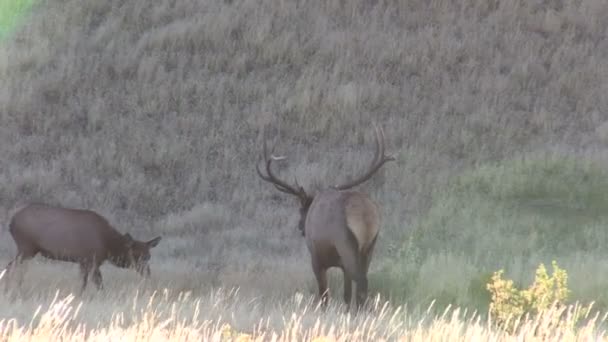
(509, 304)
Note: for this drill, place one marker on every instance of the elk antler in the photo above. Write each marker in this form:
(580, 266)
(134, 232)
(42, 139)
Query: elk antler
(380, 158)
(281, 185)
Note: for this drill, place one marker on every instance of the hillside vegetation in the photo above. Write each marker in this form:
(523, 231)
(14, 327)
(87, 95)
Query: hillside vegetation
(510, 215)
(11, 12)
(153, 113)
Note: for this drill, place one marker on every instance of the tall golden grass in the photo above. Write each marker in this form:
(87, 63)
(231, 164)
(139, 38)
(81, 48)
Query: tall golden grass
(162, 316)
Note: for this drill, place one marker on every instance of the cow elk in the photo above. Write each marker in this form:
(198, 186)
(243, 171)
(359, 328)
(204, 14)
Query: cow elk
(76, 235)
(340, 225)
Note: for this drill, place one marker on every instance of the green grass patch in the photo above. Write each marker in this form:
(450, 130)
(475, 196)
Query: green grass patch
(512, 215)
(11, 13)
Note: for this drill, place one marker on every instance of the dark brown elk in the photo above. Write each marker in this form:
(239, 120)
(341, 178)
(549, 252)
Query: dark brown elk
(76, 235)
(340, 225)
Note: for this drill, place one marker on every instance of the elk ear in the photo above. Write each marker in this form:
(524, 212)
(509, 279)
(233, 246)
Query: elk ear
(154, 242)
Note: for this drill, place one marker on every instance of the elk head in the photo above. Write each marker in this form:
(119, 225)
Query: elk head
(135, 254)
(305, 199)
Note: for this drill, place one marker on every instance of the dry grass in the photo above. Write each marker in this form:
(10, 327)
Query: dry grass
(228, 316)
(152, 114)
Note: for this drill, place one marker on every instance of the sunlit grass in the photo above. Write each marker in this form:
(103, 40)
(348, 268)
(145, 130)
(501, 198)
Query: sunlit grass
(11, 12)
(161, 317)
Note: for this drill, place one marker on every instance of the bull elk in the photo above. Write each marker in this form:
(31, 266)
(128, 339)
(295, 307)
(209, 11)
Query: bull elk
(340, 225)
(76, 235)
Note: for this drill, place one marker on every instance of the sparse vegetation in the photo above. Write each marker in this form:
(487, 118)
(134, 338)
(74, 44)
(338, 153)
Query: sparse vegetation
(152, 113)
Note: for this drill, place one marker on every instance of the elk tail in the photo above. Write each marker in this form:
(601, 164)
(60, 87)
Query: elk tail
(361, 220)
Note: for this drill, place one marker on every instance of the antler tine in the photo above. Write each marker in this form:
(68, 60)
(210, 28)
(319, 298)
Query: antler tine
(279, 184)
(270, 177)
(379, 143)
(264, 157)
(265, 144)
(383, 140)
(380, 158)
(265, 147)
(295, 180)
(390, 157)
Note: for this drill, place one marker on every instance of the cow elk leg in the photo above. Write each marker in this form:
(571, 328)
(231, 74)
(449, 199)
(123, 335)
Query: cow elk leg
(85, 268)
(97, 279)
(11, 267)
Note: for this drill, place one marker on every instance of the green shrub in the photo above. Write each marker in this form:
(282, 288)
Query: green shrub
(509, 304)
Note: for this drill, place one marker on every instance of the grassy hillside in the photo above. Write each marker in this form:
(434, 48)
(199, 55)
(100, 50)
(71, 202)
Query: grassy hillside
(511, 215)
(11, 14)
(152, 114)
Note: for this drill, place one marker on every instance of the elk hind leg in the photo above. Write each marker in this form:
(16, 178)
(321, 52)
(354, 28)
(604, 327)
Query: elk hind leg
(321, 275)
(348, 290)
(365, 259)
(361, 290)
(354, 269)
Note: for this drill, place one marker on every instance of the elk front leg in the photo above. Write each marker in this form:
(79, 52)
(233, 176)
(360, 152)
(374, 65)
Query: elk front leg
(97, 278)
(10, 268)
(18, 261)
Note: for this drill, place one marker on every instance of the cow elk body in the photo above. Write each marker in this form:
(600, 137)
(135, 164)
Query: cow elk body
(76, 235)
(340, 225)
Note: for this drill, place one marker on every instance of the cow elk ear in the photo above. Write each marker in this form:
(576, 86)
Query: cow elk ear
(154, 242)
